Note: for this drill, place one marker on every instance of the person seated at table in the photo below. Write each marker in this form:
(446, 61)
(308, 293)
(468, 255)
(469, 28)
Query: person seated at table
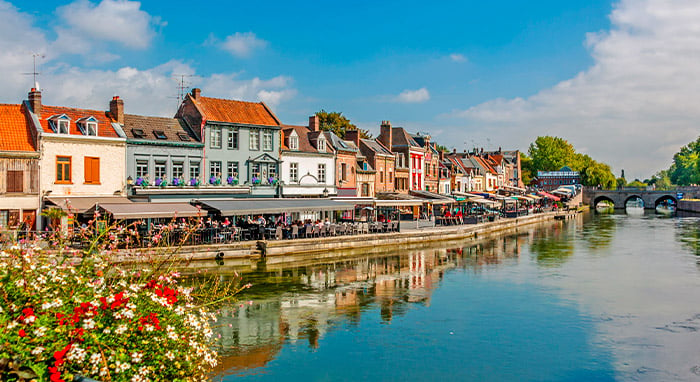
(448, 214)
(459, 214)
(381, 218)
(327, 223)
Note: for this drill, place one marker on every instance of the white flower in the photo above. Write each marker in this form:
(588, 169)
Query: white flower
(122, 367)
(12, 324)
(89, 324)
(40, 331)
(76, 354)
(95, 358)
(136, 357)
(121, 329)
(169, 355)
(38, 350)
(29, 319)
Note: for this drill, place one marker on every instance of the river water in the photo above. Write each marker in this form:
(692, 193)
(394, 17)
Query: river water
(601, 297)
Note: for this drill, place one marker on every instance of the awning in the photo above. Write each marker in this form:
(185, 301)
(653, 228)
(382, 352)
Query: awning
(397, 202)
(432, 197)
(522, 197)
(273, 206)
(562, 193)
(484, 201)
(80, 204)
(122, 211)
(517, 189)
(550, 196)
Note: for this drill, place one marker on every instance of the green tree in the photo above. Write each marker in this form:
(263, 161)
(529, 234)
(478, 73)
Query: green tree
(336, 122)
(621, 183)
(551, 154)
(594, 173)
(685, 169)
(525, 168)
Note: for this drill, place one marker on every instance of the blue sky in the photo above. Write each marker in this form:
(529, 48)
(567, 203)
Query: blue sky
(470, 73)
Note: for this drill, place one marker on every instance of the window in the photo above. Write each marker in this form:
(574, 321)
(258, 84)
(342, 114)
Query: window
(343, 171)
(294, 142)
(267, 140)
(321, 173)
(294, 172)
(92, 170)
(178, 169)
(391, 177)
(161, 171)
(321, 144)
(91, 129)
(272, 170)
(160, 134)
(194, 170)
(233, 139)
(232, 169)
(15, 181)
(183, 137)
(381, 176)
(215, 138)
(138, 133)
(63, 170)
(215, 169)
(63, 126)
(254, 140)
(141, 168)
(365, 189)
(255, 171)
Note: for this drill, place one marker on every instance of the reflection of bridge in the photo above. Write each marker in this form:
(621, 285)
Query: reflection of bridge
(651, 198)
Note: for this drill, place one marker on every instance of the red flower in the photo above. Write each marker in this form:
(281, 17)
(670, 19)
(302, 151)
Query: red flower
(55, 375)
(22, 333)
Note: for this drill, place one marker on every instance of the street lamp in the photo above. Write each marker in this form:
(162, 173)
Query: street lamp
(325, 192)
(129, 180)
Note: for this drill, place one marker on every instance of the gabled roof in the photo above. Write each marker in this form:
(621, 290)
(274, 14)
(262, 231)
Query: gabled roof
(308, 140)
(402, 138)
(145, 128)
(104, 121)
(375, 146)
(339, 144)
(231, 111)
(15, 129)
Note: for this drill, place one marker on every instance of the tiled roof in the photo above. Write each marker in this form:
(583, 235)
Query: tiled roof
(104, 122)
(226, 110)
(401, 138)
(376, 147)
(303, 134)
(340, 144)
(144, 127)
(15, 129)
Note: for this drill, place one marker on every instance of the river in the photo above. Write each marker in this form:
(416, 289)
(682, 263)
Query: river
(601, 297)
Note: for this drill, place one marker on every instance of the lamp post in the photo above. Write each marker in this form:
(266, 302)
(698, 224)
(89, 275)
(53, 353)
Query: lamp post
(325, 192)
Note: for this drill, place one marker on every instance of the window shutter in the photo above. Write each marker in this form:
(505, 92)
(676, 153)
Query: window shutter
(15, 181)
(96, 170)
(88, 170)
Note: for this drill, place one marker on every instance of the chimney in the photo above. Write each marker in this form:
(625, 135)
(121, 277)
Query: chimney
(35, 101)
(196, 93)
(385, 134)
(353, 136)
(442, 155)
(116, 109)
(314, 123)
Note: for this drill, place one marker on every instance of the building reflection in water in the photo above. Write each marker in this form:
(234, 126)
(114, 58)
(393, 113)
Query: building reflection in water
(302, 304)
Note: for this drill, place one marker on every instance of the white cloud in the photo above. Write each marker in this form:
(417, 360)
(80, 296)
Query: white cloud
(118, 21)
(242, 45)
(633, 108)
(413, 96)
(147, 91)
(457, 57)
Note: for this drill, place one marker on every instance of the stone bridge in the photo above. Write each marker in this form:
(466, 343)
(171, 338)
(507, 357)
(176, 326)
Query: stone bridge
(651, 198)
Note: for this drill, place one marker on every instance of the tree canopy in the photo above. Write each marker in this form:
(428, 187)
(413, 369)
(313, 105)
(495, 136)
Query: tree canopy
(337, 123)
(685, 169)
(552, 153)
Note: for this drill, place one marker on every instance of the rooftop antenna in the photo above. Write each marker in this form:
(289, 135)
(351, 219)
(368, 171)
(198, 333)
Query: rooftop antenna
(34, 73)
(182, 85)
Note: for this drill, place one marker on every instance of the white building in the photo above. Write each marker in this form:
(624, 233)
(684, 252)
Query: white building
(307, 163)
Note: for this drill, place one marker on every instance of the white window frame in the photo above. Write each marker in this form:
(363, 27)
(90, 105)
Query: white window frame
(178, 167)
(232, 169)
(322, 173)
(141, 165)
(91, 126)
(294, 141)
(321, 144)
(161, 165)
(268, 141)
(215, 138)
(194, 170)
(254, 140)
(233, 137)
(294, 172)
(59, 123)
(215, 169)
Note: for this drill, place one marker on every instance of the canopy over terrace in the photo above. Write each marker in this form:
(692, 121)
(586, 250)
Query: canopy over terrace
(431, 197)
(549, 196)
(124, 211)
(272, 206)
(81, 204)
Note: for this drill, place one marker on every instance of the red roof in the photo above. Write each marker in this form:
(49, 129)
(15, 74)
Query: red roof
(226, 110)
(104, 122)
(15, 129)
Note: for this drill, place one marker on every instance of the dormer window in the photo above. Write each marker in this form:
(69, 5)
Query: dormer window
(321, 144)
(88, 126)
(160, 134)
(60, 124)
(138, 133)
(294, 141)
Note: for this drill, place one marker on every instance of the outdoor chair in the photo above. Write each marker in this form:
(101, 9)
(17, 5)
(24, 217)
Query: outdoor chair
(295, 232)
(331, 230)
(309, 231)
(278, 233)
(365, 227)
(316, 232)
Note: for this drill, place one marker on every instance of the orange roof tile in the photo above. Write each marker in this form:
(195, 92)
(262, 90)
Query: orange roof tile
(104, 122)
(15, 129)
(226, 110)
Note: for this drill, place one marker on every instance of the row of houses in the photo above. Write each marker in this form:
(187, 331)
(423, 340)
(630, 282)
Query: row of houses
(218, 149)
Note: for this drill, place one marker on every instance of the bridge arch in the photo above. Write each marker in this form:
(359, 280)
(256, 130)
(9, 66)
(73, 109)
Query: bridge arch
(659, 200)
(631, 197)
(603, 198)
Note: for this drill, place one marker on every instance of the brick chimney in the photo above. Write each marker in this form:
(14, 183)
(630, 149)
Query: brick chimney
(35, 101)
(314, 123)
(353, 136)
(385, 134)
(196, 93)
(116, 109)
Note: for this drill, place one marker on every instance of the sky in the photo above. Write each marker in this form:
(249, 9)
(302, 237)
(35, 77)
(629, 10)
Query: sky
(619, 80)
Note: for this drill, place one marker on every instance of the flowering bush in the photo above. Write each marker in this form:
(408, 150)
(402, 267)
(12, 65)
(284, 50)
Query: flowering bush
(141, 182)
(232, 181)
(194, 182)
(271, 180)
(161, 182)
(214, 180)
(178, 182)
(65, 313)
(256, 180)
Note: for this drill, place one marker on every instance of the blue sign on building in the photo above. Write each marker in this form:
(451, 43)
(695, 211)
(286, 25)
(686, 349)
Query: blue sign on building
(679, 195)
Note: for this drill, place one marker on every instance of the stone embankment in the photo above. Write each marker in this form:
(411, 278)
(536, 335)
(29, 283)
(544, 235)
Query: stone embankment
(689, 205)
(251, 250)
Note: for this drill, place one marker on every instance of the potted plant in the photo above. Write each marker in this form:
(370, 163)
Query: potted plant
(271, 180)
(256, 180)
(214, 181)
(232, 181)
(161, 182)
(141, 182)
(194, 182)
